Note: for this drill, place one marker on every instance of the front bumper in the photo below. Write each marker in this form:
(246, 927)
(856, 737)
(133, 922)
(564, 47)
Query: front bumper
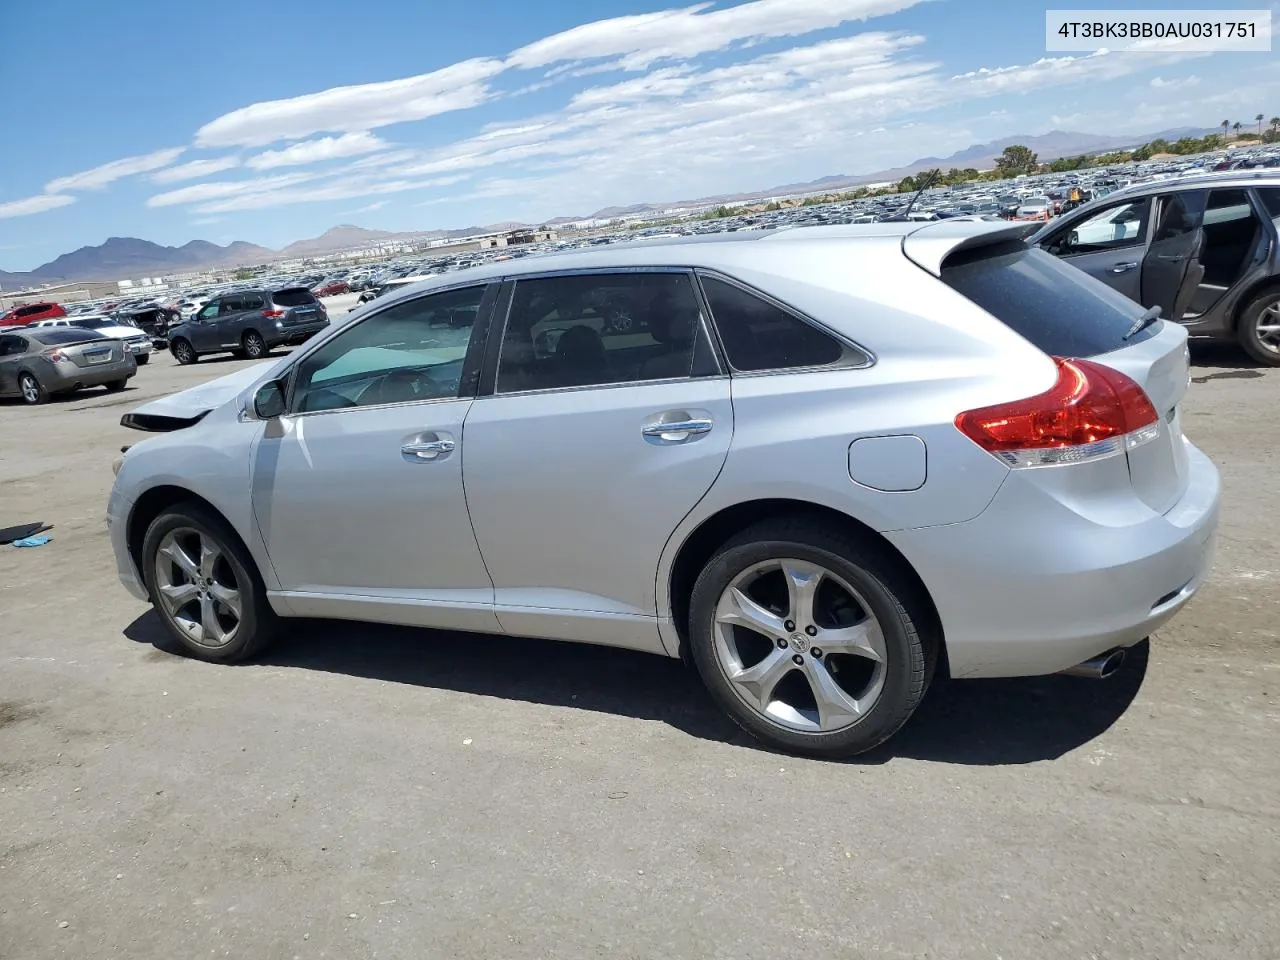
(117, 522)
(140, 348)
(1032, 586)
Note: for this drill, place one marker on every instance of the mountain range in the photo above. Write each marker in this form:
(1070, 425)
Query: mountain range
(129, 257)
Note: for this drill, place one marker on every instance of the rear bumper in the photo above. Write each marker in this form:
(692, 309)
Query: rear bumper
(1032, 586)
(297, 334)
(95, 376)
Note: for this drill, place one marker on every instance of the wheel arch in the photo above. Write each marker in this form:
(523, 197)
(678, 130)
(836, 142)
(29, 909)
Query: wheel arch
(716, 530)
(154, 502)
(1252, 292)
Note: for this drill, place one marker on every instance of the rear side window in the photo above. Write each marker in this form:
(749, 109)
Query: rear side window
(293, 297)
(1061, 310)
(758, 335)
(1271, 200)
(253, 301)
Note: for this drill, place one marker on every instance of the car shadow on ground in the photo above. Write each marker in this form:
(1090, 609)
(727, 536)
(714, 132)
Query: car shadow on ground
(1233, 362)
(982, 722)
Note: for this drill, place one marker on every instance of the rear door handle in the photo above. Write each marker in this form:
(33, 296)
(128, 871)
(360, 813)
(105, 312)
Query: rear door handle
(427, 448)
(1124, 267)
(676, 431)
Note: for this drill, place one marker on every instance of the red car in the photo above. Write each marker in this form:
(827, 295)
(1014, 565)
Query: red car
(30, 313)
(330, 288)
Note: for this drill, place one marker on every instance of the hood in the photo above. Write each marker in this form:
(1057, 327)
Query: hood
(180, 410)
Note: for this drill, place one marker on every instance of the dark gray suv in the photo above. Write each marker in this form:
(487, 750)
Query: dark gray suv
(1204, 249)
(248, 323)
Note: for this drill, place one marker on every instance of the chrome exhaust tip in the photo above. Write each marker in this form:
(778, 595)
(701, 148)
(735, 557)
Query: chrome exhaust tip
(1099, 667)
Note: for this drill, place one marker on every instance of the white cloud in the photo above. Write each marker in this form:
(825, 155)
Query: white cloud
(1160, 83)
(37, 204)
(195, 169)
(371, 208)
(353, 109)
(200, 192)
(343, 189)
(314, 151)
(99, 177)
(205, 221)
(641, 39)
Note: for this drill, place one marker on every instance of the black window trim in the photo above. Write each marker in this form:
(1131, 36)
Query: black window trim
(498, 330)
(847, 341)
(467, 383)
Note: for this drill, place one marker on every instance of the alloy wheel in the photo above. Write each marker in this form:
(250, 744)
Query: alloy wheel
(197, 587)
(254, 346)
(800, 646)
(1267, 327)
(30, 388)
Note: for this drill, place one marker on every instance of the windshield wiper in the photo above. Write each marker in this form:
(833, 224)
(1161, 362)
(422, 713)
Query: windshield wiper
(1151, 315)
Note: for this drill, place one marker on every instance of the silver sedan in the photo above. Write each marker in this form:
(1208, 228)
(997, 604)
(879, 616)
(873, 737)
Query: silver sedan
(36, 363)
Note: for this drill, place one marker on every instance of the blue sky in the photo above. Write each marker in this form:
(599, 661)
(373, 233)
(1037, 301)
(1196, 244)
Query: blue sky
(273, 120)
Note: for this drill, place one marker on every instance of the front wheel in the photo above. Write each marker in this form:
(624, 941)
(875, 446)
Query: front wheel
(183, 352)
(1259, 328)
(204, 585)
(810, 641)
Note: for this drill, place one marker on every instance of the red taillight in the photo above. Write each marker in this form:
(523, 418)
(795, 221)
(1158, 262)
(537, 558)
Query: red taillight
(56, 355)
(273, 314)
(1091, 412)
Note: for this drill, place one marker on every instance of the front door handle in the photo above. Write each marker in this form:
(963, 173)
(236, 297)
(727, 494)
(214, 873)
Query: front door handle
(1124, 267)
(427, 449)
(676, 431)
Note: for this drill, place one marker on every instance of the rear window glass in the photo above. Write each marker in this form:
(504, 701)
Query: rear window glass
(64, 335)
(293, 297)
(1061, 310)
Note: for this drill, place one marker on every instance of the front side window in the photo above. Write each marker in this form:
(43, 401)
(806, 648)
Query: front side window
(1121, 225)
(759, 335)
(209, 312)
(412, 351)
(597, 329)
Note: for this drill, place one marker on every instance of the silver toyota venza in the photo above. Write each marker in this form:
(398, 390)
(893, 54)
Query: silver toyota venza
(818, 464)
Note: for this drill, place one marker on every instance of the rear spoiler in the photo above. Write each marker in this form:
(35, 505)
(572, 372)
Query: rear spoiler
(930, 246)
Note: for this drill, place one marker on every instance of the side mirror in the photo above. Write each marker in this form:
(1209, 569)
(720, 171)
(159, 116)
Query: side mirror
(268, 402)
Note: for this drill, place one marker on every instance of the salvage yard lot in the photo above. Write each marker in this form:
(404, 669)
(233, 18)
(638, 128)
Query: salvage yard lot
(368, 791)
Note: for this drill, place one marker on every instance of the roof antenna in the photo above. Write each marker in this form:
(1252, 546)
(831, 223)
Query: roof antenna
(929, 182)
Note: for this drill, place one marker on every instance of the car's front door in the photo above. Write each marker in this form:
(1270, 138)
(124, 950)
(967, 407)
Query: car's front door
(204, 331)
(1171, 268)
(1107, 244)
(603, 420)
(357, 489)
(226, 330)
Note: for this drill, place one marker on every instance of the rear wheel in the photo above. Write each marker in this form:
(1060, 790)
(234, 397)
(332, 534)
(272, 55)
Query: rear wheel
(811, 642)
(253, 346)
(32, 390)
(1259, 328)
(204, 585)
(183, 352)
(115, 386)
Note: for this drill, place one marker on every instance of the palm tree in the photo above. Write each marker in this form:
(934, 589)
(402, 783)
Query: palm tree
(1275, 124)
(1259, 119)
(1226, 125)
(1236, 127)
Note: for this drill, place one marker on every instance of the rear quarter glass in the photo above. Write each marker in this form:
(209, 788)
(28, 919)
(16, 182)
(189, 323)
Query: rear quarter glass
(1059, 309)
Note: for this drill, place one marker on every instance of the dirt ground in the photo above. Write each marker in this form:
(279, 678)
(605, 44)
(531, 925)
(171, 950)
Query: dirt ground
(374, 792)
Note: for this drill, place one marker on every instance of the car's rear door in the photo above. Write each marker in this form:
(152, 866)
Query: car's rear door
(1171, 268)
(587, 447)
(12, 347)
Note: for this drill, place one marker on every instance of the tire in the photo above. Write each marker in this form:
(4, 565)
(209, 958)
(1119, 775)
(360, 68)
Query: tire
(115, 386)
(143, 359)
(867, 588)
(183, 352)
(191, 526)
(1263, 310)
(253, 346)
(31, 389)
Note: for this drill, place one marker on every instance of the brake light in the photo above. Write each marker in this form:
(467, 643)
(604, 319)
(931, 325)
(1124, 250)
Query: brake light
(273, 314)
(57, 356)
(1090, 413)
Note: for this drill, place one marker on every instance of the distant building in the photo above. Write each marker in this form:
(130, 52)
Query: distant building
(514, 238)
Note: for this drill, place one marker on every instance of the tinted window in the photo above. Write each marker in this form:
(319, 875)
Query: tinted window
(1271, 200)
(414, 350)
(252, 301)
(12, 346)
(33, 308)
(293, 297)
(757, 335)
(229, 305)
(65, 335)
(602, 328)
(1060, 309)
